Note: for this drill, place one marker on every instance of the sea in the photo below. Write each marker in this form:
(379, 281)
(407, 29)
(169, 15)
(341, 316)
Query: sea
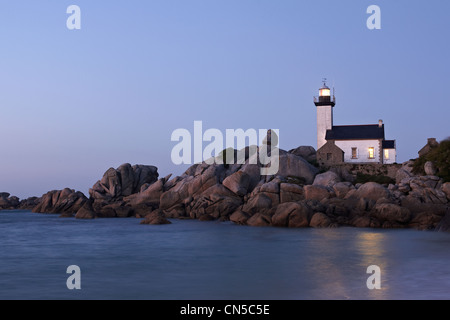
(194, 260)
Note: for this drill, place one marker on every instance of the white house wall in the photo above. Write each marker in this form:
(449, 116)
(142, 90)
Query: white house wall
(363, 150)
(392, 157)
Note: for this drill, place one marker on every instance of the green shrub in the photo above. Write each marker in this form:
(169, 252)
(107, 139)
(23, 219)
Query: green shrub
(440, 155)
(381, 179)
(314, 163)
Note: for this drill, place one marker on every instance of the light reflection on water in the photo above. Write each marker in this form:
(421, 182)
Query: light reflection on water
(121, 259)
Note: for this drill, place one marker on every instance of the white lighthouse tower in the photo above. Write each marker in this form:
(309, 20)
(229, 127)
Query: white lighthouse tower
(324, 104)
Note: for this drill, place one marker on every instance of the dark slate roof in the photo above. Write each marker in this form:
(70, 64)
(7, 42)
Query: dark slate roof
(369, 131)
(389, 144)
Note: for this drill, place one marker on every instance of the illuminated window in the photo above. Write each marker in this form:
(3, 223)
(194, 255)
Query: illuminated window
(386, 154)
(354, 153)
(371, 153)
(324, 92)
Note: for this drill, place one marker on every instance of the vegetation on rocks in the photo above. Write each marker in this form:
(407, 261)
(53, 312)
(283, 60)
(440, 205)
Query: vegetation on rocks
(381, 179)
(440, 156)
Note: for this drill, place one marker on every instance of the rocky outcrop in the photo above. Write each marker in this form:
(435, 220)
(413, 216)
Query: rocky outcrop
(7, 202)
(371, 191)
(123, 181)
(327, 179)
(66, 201)
(86, 211)
(306, 152)
(29, 203)
(444, 223)
(238, 183)
(320, 220)
(292, 215)
(156, 217)
(291, 165)
(316, 192)
(297, 196)
(429, 168)
(124, 192)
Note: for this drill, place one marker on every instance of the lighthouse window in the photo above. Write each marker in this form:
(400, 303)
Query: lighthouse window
(371, 153)
(386, 154)
(354, 153)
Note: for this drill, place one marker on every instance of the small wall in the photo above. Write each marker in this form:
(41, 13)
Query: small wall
(389, 170)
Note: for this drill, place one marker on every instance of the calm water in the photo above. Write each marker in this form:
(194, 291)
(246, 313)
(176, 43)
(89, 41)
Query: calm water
(120, 259)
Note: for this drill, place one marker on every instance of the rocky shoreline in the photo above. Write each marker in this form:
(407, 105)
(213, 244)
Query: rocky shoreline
(299, 196)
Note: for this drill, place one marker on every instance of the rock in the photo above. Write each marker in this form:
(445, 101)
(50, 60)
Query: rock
(127, 180)
(86, 211)
(361, 222)
(206, 217)
(66, 215)
(8, 202)
(425, 221)
(123, 181)
(4, 195)
(124, 212)
(392, 187)
(291, 192)
(61, 201)
(238, 183)
(291, 165)
(271, 187)
(392, 213)
(149, 196)
(327, 179)
(29, 204)
(108, 211)
(205, 177)
(259, 220)
(341, 189)
(253, 171)
(344, 174)
(430, 168)
(217, 201)
(316, 193)
(444, 224)
(155, 218)
(257, 203)
(335, 207)
(372, 191)
(306, 152)
(320, 220)
(446, 189)
(292, 215)
(402, 174)
(239, 217)
(404, 188)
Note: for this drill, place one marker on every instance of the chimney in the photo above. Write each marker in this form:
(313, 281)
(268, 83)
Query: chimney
(380, 123)
(432, 142)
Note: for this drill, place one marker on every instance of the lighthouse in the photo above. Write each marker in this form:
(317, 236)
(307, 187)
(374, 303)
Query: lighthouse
(324, 104)
(349, 143)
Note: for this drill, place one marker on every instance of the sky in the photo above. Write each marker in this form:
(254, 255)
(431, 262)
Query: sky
(77, 102)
